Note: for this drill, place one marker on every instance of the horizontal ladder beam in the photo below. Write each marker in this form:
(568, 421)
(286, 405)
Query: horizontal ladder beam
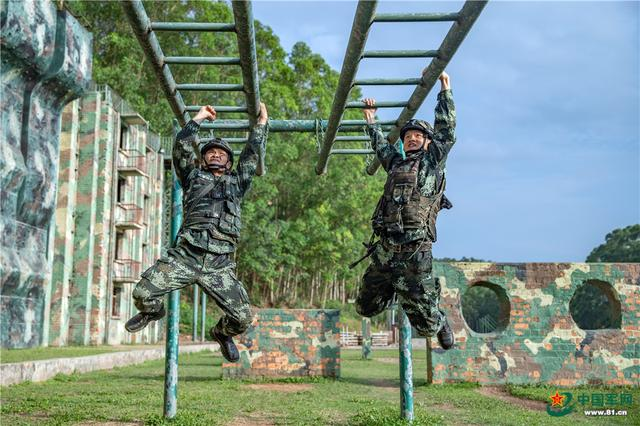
(400, 54)
(391, 104)
(280, 126)
(230, 140)
(220, 108)
(196, 60)
(193, 26)
(352, 139)
(416, 17)
(211, 87)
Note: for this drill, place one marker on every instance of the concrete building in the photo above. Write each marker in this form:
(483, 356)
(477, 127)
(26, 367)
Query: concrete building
(108, 221)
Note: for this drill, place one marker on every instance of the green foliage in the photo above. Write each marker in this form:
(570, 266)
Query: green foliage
(621, 245)
(593, 306)
(300, 230)
(482, 310)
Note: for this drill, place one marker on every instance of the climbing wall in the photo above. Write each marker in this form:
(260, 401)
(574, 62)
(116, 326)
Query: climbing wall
(46, 63)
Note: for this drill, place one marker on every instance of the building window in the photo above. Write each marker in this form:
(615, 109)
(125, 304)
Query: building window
(119, 245)
(595, 306)
(124, 137)
(116, 301)
(122, 184)
(486, 308)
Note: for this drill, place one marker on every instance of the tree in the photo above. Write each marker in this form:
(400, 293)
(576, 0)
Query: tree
(621, 245)
(300, 230)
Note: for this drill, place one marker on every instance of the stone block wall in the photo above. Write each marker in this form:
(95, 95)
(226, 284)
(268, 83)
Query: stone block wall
(539, 341)
(46, 63)
(289, 342)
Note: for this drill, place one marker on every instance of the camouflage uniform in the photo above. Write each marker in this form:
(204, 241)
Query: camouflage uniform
(207, 240)
(401, 261)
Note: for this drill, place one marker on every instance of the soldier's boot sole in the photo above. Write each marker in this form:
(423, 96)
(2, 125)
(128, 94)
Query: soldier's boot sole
(227, 347)
(140, 320)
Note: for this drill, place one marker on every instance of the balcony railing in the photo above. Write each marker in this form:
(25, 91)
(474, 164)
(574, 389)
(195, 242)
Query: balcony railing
(126, 270)
(129, 216)
(132, 162)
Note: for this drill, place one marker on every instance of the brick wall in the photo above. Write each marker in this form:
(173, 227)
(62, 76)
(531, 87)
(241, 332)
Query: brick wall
(289, 342)
(540, 342)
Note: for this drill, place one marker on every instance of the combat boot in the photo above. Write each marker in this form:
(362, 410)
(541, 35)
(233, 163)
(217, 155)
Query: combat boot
(227, 347)
(142, 319)
(445, 336)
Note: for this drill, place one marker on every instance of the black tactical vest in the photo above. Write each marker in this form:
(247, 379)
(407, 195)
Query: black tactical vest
(214, 204)
(402, 207)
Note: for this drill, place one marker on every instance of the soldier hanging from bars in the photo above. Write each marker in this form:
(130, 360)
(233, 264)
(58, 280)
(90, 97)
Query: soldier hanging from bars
(405, 219)
(206, 242)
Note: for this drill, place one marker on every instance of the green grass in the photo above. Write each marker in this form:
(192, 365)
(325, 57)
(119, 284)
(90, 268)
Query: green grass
(36, 354)
(366, 394)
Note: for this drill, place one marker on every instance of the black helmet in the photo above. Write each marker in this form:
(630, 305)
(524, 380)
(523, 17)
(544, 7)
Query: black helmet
(217, 143)
(419, 125)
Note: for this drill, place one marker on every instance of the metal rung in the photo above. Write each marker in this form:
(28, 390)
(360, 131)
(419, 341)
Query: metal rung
(400, 54)
(196, 108)
(195, 60)
(387, 82)
(352, 139)
(192, 26)
(399, 104)
(352, 151)
(416, 17)
(212, 87)
(346, 123)
(230, 140)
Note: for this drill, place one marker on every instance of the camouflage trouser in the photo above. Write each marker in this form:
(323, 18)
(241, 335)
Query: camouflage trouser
(409, 275)
(214, 273)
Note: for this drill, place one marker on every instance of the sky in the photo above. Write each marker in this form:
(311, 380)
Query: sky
(547, 158)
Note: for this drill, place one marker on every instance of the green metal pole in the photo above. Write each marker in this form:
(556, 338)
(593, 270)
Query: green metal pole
(406, 368)
(365, 12)
(366, 338)
(196, 293)
(459, 30)
(245, 31)
(203, 300)
(173, 315)
(141, 25)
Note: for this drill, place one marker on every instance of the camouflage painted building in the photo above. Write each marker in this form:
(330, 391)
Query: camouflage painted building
(538, 333)
(108, 221)
(45, 63)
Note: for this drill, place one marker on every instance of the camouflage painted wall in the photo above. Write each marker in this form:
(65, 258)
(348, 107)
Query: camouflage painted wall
(289, 342)
(540, 343)
(108, 224)
(46, 62)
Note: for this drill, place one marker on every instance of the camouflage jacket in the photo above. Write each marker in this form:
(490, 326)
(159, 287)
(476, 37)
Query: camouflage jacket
(431, 172)
(188, 173)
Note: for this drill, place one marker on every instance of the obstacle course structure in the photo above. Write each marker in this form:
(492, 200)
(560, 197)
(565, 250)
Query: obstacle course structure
(243, 27)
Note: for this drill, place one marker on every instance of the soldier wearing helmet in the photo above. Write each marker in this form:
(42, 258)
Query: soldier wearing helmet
(206, 242)
(405, 219)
